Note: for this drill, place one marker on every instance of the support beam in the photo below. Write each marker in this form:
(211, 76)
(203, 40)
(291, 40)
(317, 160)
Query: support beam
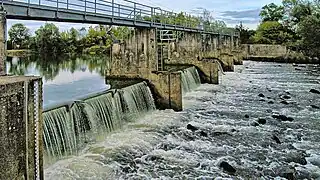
(3, 44)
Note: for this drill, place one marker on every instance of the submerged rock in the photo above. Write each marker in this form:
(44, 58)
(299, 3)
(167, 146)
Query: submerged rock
(297, 157)
(261, 95)
(315, 107)
(284, 102)
(270, 102)
(288, 173)
(246, 116)
(314, 91)
(286, 97)
(276, 139)
(227, 167)
(262, 121)
(203, 134)
(192, 128)
(255, 124)
(282, 117)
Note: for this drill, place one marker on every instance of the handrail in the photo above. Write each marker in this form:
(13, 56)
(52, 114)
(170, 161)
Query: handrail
(134, 11)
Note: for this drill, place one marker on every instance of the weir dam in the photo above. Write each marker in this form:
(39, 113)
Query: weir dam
(170, 113)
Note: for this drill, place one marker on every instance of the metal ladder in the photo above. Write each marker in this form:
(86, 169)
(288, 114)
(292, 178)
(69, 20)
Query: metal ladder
(164, 37)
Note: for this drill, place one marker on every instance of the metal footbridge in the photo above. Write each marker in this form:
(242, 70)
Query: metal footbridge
(128, 13)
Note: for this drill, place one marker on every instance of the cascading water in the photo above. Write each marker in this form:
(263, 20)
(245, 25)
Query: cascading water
(190, 79)
(68, 129)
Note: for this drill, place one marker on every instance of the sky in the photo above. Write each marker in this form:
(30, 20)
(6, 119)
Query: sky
(230, 11)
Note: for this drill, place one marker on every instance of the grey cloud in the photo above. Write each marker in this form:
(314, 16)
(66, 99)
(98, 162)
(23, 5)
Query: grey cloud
(252, 13)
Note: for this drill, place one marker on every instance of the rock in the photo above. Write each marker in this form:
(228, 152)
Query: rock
(294, 65)
(288, 173)
(220, 133)
(270, 102)
(276, 139)
(262, 121)
(255, 124)
(315, 107)
(284, 102)
(250, 81)
(246, 116)
(314, 91)
(227, 167)
(286, 97)
(192, 128)
(282, 118)
(297, 157)
(261, 95)
(203, 134)
(297, 69)
(262, 100)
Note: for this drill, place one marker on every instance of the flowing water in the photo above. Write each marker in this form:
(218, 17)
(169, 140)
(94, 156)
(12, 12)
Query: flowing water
(159, 145)
(69, 128)
(190, 79)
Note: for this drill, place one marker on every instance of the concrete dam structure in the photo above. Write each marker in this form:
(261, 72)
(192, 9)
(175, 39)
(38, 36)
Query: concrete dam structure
(151, 69)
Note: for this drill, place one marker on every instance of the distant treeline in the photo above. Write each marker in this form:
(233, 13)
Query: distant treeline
(294, 23)
(48, 38)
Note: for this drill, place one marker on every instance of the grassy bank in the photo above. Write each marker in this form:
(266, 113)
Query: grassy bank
(19, 52)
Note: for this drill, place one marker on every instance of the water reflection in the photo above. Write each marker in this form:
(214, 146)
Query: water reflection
(64, 77)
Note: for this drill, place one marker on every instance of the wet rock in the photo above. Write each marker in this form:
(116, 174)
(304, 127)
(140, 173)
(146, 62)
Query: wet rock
(255, 124)
(269, 110)
(227, 167)
(220, 133)
(297, 69)
(268, 97)
(315, 107)
(282, 117)
(288, 173)
(270, 102)
(246, 116)
(284, 102)
(297, 157)
(261, 95)
(314, 91)
(276, 139)
(192, 128)
(203, 134)
(262, 100)
(262, 121)
(287, 92)
(250, 81)
(286, 97)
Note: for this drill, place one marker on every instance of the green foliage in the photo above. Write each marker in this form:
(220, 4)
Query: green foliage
(19, 36)
(272, 12)
(246, 35)
(271, 32)
(48, 39)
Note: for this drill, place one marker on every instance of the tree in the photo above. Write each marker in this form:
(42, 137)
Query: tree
(272, 12)
(19, 36)
(309, 30)
(48, 39)
(246, 35)
(271, 32)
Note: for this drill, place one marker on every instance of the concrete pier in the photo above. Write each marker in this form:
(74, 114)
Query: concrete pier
(3, 44)
(21, 128)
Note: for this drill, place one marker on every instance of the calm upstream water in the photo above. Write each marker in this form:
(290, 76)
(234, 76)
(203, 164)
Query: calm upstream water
(64, 78)
(219, 124)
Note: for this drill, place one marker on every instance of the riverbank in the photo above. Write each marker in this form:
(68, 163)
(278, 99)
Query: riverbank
(260, 122)
(19, 52)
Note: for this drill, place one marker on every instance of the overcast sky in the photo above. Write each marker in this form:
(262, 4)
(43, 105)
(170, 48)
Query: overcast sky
(230, 11)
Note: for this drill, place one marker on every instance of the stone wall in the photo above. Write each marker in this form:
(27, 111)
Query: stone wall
(264, 50)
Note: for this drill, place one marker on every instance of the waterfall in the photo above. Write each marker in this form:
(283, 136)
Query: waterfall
(69, 128)
(219, 66)
(190, 79)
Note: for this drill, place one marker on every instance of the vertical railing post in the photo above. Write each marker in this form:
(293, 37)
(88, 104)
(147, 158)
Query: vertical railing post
(152, 16)
(95, 6)
(134, 12)
(67, 4)
(112, 9)
(119, 9)
(85, 6)
(57, 5)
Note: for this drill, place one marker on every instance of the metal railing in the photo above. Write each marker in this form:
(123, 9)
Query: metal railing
(130, 10)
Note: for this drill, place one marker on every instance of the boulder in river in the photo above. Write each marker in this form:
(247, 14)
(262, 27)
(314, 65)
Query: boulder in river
(261, 95)
(315, 107)
(262, 121)
(314, 91)
(246, 116)
(203, 134)
(282, 117)
(288, 173)
(192, 128)
(284, 102)
(276, 139)
(270, 102)
(286, 97)
(227, 167)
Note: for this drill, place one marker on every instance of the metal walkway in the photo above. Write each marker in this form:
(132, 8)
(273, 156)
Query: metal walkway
(100, 12)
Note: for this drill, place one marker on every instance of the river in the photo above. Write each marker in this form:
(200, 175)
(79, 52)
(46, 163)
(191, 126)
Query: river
(219, 123)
